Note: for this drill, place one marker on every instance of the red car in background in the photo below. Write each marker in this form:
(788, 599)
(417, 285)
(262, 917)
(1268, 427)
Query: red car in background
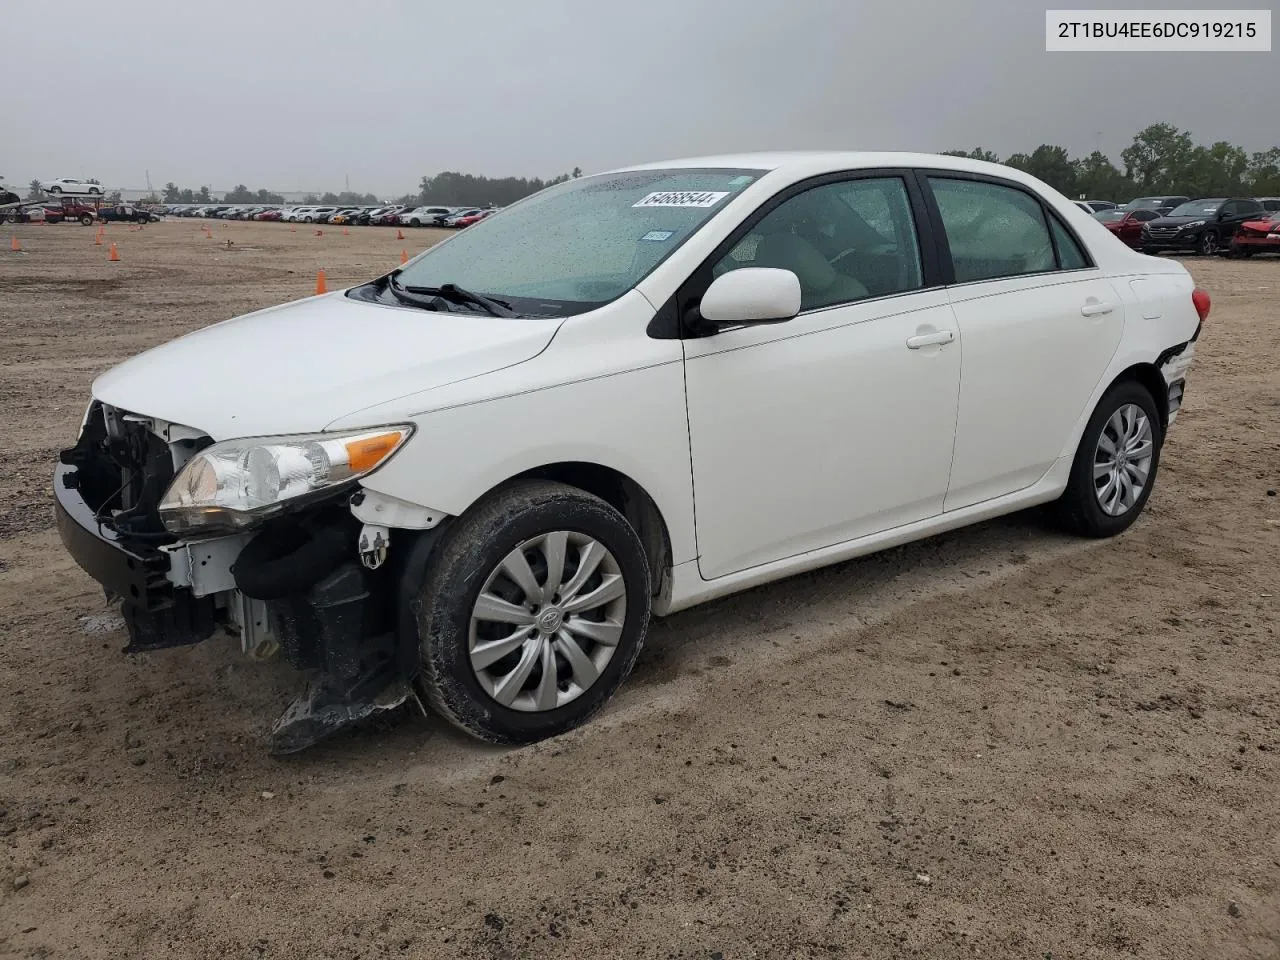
(1257, 236)
(1126, 224)
(474, 218)
(390, 218)
(269, 215)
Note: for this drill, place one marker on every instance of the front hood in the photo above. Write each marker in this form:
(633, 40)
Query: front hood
(298, 367)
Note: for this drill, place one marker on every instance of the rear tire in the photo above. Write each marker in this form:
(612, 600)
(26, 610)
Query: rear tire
(488, 696)
(1116, 450)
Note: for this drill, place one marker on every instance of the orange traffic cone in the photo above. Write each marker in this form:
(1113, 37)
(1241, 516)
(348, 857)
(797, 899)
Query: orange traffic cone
(97, 240)
(321, 286)
(293, 228)
(14, 245)
(346, 232)
(399, 234)
(319, 233)
(404, 256)
(114, 254)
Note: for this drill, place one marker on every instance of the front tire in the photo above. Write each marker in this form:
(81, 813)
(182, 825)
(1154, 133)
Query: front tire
(1208, 245)
(54, 191)
(1115, 465)
(532, 612)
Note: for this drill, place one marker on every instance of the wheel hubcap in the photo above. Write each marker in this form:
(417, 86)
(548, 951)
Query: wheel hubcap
(547, 621)
(1122, 460)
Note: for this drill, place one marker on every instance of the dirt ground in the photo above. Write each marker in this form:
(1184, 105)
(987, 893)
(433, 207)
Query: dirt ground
(1001, 742)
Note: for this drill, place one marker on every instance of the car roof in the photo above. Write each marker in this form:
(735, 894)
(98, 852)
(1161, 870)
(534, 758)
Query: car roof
(818, 161)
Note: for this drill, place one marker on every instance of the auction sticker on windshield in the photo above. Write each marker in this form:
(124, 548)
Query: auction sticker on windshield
(682, 198)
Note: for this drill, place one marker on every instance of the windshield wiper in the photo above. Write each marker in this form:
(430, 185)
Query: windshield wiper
(452, 293)
(404, 296)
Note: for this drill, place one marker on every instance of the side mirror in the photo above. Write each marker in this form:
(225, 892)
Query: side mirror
(752, 295)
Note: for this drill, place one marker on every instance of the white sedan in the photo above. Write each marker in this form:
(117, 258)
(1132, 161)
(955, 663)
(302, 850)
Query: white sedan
(72, 187)
(625, 395)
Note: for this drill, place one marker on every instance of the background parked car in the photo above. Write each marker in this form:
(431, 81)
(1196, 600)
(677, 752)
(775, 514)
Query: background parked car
(124, 212)
(424, 216)
(1205, 226)
(1271, 204)
(1257, 236)
(1126, 224)
(365, 217)
(73, 186)
(390, 218)
(452, 219)
(472, 218)
(1094, 206)
(1162, 205)
(317, 214)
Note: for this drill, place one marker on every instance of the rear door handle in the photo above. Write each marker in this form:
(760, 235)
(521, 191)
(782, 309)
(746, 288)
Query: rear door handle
(1096, 308)
(929, 339)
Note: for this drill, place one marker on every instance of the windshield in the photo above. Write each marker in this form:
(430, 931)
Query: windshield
(1110, 216)
(580, 244)
(1197, 208)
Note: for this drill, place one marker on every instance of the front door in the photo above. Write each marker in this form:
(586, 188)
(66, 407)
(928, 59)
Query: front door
(840, 422)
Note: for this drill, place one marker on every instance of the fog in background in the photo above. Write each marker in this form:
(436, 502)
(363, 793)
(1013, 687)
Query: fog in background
(292, 95)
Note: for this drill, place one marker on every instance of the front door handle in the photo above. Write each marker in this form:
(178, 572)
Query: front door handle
(929, 339)
(1096, 308)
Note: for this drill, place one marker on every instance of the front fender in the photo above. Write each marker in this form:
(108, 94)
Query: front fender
(632, 421)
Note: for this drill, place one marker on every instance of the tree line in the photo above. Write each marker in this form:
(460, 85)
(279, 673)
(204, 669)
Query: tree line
(450, 188)
(1161, 160)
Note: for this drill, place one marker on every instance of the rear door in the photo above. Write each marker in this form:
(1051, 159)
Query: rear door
(1039, 324)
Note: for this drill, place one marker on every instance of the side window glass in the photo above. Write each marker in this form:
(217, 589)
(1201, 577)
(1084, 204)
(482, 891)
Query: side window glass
(1070, 256)
(845, 242)
(1146, 215)
(993, 231)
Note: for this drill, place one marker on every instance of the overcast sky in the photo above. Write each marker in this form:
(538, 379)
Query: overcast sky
(301, 94)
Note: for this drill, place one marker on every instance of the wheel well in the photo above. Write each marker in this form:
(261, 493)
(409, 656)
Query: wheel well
(624, 495)
(1148, 376)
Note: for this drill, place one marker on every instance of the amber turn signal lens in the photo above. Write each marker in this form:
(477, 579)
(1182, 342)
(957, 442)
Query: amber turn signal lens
(367, 452)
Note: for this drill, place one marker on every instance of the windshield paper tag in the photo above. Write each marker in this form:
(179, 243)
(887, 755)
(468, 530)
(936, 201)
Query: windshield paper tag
(682, 198)
(658, 235)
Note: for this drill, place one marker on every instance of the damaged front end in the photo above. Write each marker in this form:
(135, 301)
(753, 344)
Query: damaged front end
(309, 580)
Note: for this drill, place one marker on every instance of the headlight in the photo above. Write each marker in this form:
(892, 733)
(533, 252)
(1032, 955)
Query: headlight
(238, 483)
(1193, 224)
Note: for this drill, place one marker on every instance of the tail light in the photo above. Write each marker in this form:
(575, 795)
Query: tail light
(1202, 303)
